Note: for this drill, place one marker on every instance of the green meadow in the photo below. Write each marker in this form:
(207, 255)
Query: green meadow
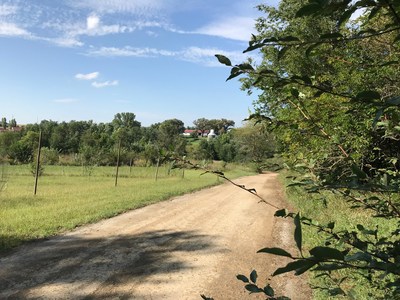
(69, 196)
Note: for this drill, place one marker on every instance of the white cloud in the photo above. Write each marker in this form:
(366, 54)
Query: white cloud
(92, 22)
(9, 29)
(206, 56)
(130, 51)
(65, 100)
(89, 76)
(104, 83)
(65, 42)
(203, 56)
(121, 6)
(6, 9)
(239, 28)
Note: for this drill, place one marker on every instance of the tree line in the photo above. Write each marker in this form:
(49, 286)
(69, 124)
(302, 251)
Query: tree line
(90, 143)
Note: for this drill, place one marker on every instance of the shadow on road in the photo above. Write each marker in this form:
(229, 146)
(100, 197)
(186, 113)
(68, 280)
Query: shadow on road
(87, 267)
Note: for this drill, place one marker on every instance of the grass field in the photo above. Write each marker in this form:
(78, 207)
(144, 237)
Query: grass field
(68, 197)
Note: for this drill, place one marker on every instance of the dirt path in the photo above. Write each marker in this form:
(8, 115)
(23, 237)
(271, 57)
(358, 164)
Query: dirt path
(178, 249)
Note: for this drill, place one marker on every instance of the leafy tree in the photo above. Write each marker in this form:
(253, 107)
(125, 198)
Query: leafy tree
(13, 123)
(329, 89)
(7, 140)
(126, 129)
(202, 124)
(169, 136)
(255, 142)
(220, 126)
(4, 122)
(125, 119)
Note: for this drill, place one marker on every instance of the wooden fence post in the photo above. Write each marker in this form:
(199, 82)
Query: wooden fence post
(37, 163)
(119, 153)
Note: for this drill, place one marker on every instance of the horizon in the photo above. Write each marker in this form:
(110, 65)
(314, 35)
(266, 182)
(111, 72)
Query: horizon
(75, 60)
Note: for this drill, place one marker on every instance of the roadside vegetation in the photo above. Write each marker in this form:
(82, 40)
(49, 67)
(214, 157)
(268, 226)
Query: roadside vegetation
(329, 90)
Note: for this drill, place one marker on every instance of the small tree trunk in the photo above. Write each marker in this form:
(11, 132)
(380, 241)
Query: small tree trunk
(116, 173)
(37, 163)
(158, 166)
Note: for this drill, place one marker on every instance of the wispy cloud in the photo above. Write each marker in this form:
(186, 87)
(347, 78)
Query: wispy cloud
(89, 76)
(9, 29)
(104, 83)
(238, 28)
(130, 52)
(142, 7)
(65, 100)
(203, 56)
(6, 9)
(206, 56)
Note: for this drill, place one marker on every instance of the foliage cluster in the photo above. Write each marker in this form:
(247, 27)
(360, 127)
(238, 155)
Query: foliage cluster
(329, 82)
(87, 143)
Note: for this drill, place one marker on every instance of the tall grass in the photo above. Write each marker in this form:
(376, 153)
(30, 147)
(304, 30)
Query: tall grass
(68, 197)
(329, 207)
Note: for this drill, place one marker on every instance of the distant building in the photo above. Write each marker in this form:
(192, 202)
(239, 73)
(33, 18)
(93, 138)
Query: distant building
(190, 132)
(14, 129)
(211, 134)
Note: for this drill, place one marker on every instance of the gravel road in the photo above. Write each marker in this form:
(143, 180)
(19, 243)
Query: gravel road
(178, 249)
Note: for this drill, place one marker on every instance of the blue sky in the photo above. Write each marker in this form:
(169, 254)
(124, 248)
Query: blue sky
(90, 59)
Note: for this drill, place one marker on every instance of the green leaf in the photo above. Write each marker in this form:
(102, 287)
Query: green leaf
(368, 95)
(275, 251)
(270, 39)
(289, 39)
(358, 172)
(304, 268)
(253, 276)
(334, 35)
(389, 63)
(308, 10)
(297, 231)
(269, 291)
(295, 92)
(242, 278)
(358, 256)
(281, 213)
(254, 47)
(282, 52)
(394, 101)
(336, 292)
(300, 264)
(305, 79)
(311, 48)
(223, 59)
(252, 288)
(326, 253)
(329, 267)
(234, 74)
(246, 67)
(378, 115)
(360, 227)
(266, 71)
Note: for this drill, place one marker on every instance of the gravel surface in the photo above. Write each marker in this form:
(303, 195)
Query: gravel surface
(178, 249)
